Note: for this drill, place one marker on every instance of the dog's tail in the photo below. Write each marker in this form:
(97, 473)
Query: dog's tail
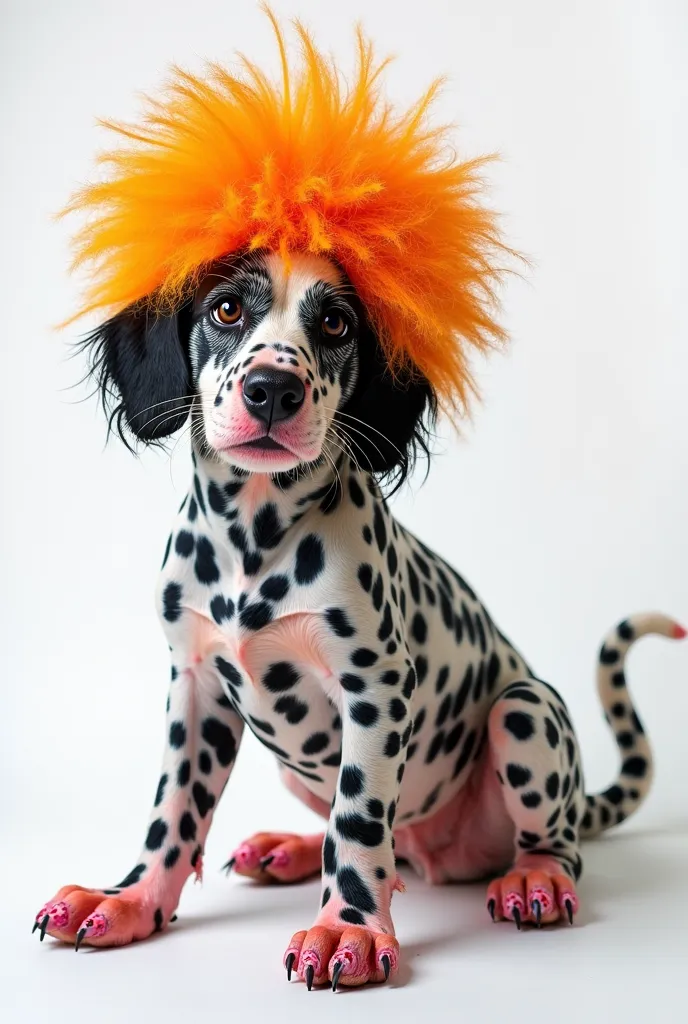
(627, 792)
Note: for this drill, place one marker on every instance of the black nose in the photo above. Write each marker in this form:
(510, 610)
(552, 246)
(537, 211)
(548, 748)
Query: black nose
(272, 395)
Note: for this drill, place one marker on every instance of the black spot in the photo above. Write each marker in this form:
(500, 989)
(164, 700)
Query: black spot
(133, 877)
(193, 510)
(419, 628)
(380, 873)
(376, 808)
(442, 677)
(519, 692)
(614, 794)
(618, 680)
(518, 775)
(171, 602)
(252, 562)
(519, 724)
(187, 826)
(177, 735)
(333, 760)
(204, 800)
(413, 582)
(618, 710)
(205, 565)
(160, 794)
(329, 856)
(492, 672)
(397, 709)
(338, 622)
(435, 747)
(552, 785)
(367, 534)
(352, 683)
(280, 676)
(531, 799)
(357, 495)
(419, 720)
(453, 738)
(363, 657)
(605, 816)
(354, 890)
(256, 615)
(421, 663)
(172, 856)
(431, 799)
(625, 630)
(164, 563)
(572, 815)
(409, 683)
(274, 588)
(184, 544)
(351, 916)
(625, 740)
(609, 655)
(392, 560)
(391, 812)
(364, 713)
(356, 828)
(443, 711)
(387, 625)
(220, 737)
(392, 744)
(325, 896)
(204, 763)
(315, 743)
(463, 692)
(586, 821)
(530, 837)
(378, 593)
(552, 733)
(157, 916)
(267, 532)
(310, 559)
(365, 576)
(221, 609)
(634, 766)
(156, 834)
(183, 773)
(351, 781)
(379, 528)
(464, 757)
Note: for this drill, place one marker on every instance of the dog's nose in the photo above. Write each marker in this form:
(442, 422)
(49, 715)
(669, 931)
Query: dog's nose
(272, 395)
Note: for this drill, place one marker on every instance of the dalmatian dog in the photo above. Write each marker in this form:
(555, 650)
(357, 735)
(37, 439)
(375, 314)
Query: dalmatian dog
(296, 606)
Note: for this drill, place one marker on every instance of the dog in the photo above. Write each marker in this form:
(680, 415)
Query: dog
(296, 606)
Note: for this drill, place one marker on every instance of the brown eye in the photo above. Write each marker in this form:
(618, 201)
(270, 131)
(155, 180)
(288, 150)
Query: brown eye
(334, 325)
(228, 312)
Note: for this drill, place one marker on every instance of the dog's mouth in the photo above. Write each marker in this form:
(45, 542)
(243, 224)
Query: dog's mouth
(265, 443)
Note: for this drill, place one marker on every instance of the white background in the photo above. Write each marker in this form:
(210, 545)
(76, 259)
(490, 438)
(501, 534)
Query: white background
(566, 504)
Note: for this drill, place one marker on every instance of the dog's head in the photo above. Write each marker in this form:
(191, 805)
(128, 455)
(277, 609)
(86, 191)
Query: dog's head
(276, 368)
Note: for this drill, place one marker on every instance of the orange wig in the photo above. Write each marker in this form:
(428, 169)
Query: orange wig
(230, 163)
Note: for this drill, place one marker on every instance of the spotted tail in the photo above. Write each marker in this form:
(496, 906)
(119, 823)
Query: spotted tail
(626, 794)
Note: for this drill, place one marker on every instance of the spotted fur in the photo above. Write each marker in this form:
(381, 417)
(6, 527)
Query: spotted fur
(295, 605)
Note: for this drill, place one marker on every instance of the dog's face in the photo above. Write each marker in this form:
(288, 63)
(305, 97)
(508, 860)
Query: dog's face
(274, 357)
(277, 366)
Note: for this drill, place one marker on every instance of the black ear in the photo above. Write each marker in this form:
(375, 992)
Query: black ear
(388, 416)
(141, 365)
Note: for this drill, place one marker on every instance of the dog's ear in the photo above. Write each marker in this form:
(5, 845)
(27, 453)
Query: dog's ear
(388, 415)
(140, 362)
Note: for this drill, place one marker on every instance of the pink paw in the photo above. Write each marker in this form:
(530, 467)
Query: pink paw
(348, 956)
(96, 918)
(539, 893)
(277, 857)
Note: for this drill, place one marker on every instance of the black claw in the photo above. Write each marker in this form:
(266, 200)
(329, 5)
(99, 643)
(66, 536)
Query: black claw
(536, 907)
(386, 965)
(173, 919)
(266, 861)
(36, 925)
(335, 974)
(569, 910)
(516, 913)
(289, 964)
(310, 972)
(229, 865)
(44, 925)
(79, 939)
(491, 905)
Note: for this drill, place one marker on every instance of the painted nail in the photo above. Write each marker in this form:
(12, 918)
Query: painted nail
(289, 963)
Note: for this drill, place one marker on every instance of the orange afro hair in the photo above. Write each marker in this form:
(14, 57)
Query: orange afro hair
(234, 162)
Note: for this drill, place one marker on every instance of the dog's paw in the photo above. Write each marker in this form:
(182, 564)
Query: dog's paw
(342, 956)
(101, 917)
(540, 894)
(277, 857)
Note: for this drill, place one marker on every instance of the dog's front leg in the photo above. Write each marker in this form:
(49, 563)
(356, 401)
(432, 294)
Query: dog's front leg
(352, 940)
(202, 733)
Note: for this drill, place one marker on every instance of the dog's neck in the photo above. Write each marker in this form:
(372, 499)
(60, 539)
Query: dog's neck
(253, 513)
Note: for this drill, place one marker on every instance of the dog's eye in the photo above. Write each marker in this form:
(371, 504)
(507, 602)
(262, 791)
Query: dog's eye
(334, 324)
(228, 312)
